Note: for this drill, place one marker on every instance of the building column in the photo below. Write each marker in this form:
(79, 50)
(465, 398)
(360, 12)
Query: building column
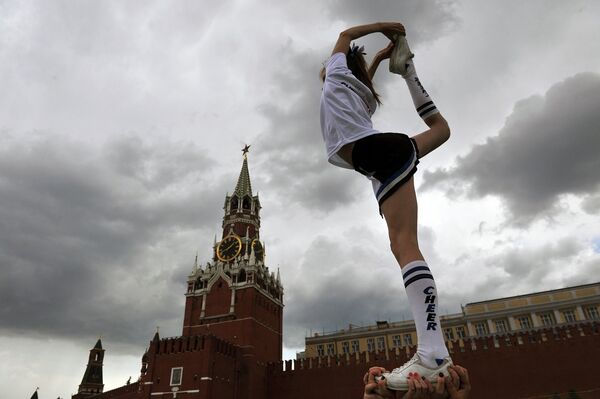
(470, 329)
(535, 319)
(558, 317)
(491, 326)
(203, 310)
(580, 313)
(232, 304)
(512, 324)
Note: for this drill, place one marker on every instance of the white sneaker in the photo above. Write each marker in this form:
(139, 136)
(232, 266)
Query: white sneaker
(400, 55)
(397, 380)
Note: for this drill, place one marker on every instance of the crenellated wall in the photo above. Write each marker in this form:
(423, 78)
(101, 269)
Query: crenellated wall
(508, 366)
(125, 392)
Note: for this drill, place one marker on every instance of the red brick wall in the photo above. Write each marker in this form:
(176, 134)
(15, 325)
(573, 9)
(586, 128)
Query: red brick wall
(528, 367)
(533, 365)
(256, 321)
(218, 299)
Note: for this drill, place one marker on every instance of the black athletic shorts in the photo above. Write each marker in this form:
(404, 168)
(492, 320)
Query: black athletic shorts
(388, 159)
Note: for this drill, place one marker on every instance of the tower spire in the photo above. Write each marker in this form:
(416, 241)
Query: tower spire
(243, 186)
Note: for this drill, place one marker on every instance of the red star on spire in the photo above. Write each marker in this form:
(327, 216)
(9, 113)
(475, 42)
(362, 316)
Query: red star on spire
(245, 150)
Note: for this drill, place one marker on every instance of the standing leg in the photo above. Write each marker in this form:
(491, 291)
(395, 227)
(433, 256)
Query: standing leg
(400, 212)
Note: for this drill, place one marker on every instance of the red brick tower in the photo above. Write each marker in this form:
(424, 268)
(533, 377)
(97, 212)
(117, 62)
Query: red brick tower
(92, 384)
(235, 297)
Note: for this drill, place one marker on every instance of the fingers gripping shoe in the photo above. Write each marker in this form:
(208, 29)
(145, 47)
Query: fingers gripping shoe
(397, 380)
(400, 55)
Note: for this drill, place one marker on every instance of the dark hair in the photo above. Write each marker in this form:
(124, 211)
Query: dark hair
(358, 66)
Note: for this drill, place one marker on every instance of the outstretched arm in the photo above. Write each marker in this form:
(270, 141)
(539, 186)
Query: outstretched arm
(387, 28)
(380, 56)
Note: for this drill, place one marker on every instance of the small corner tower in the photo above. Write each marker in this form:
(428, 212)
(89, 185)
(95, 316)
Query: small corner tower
(234, 296)
(92, 383)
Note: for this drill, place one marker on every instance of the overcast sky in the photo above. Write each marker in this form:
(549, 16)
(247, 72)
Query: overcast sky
(121, 125)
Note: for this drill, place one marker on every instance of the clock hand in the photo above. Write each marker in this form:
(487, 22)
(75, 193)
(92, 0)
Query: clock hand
(231, 245)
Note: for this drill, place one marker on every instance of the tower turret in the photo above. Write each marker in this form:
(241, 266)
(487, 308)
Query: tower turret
(92, 383)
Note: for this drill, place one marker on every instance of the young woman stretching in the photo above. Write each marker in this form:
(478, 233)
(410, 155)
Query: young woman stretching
(389, 160)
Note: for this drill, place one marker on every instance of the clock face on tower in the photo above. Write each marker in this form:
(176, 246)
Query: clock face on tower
(229, 248)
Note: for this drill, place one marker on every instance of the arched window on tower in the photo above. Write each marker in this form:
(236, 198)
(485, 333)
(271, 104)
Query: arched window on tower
(246, 203)
(234, 204)
(242, 276)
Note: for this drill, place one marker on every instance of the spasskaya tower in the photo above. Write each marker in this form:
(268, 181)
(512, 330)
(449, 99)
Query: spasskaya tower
(234, 296)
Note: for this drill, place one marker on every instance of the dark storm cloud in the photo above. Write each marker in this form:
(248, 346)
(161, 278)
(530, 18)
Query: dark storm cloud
(530, 264)
(548, 147)
(85, 234)
(351, 277)
(292, 150)
(516, 270)
(591, 204)
(339, 284)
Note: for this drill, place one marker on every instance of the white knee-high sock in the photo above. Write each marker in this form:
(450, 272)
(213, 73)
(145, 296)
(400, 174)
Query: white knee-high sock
(423, 103)
(422, 296)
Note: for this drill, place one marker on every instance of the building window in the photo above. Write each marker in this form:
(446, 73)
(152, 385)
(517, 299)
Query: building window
(345, 347)
(449, 334)
(460, 332)
(380, 343)
(355, 346)
(408, 339)
(397, 341)
(371, 345)
(569, 316)
(524, 322)
(481, 328)
(176, 375)
(501, 326)
(320, 350)
(547, 319)
(330, 350)
(592, 313)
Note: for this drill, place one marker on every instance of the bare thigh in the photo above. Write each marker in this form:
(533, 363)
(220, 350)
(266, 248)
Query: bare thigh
(400, 211)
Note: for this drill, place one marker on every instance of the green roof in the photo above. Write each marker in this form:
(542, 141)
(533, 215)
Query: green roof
(243, 186)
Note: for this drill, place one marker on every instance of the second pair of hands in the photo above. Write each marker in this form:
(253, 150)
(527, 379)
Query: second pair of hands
(457, 386)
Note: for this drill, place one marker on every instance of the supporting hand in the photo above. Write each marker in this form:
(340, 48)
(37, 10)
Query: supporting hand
(392, 29)
(463, 389)
(380, 56)
(418, 388)
(386, 52)
(375, 389)
(389, 29)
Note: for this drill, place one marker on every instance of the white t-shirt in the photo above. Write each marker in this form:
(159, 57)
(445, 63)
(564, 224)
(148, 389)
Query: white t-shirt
(346, 108)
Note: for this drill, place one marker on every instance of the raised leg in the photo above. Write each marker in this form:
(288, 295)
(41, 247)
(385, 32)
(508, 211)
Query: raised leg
(437, 134)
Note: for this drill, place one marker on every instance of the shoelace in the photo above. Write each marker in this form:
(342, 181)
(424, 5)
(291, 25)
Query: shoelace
(411, 361)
